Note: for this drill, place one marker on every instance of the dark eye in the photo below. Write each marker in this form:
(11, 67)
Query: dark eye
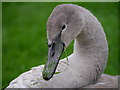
(63, 27)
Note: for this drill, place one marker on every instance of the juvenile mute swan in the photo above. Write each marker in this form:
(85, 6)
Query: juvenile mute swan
(85, 65)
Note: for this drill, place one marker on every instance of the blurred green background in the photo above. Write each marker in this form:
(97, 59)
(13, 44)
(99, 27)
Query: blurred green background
(24, 35)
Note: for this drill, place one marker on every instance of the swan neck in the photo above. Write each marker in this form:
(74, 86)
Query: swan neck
(91, 41)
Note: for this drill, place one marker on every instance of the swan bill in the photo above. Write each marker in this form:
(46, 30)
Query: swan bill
(55, 51)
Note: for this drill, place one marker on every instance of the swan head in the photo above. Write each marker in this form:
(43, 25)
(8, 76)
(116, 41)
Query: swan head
(64, 24)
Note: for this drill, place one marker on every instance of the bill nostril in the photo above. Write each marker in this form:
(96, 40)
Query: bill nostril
(53, 53)
(49, 45)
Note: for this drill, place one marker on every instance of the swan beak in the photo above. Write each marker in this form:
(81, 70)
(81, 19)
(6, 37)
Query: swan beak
(54, 53)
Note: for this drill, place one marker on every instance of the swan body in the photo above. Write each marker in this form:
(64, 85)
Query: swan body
(31, 79)
(88, 60)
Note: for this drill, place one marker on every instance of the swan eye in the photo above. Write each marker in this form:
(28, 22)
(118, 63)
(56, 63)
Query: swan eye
(64, 27)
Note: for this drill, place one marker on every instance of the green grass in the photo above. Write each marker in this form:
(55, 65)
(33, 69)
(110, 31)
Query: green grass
(24, 35)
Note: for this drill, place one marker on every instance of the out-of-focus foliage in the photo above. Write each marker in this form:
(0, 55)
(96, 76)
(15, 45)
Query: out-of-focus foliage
(24, 35)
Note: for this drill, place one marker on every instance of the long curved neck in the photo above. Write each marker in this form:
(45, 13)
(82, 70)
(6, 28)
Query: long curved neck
(91, 43)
